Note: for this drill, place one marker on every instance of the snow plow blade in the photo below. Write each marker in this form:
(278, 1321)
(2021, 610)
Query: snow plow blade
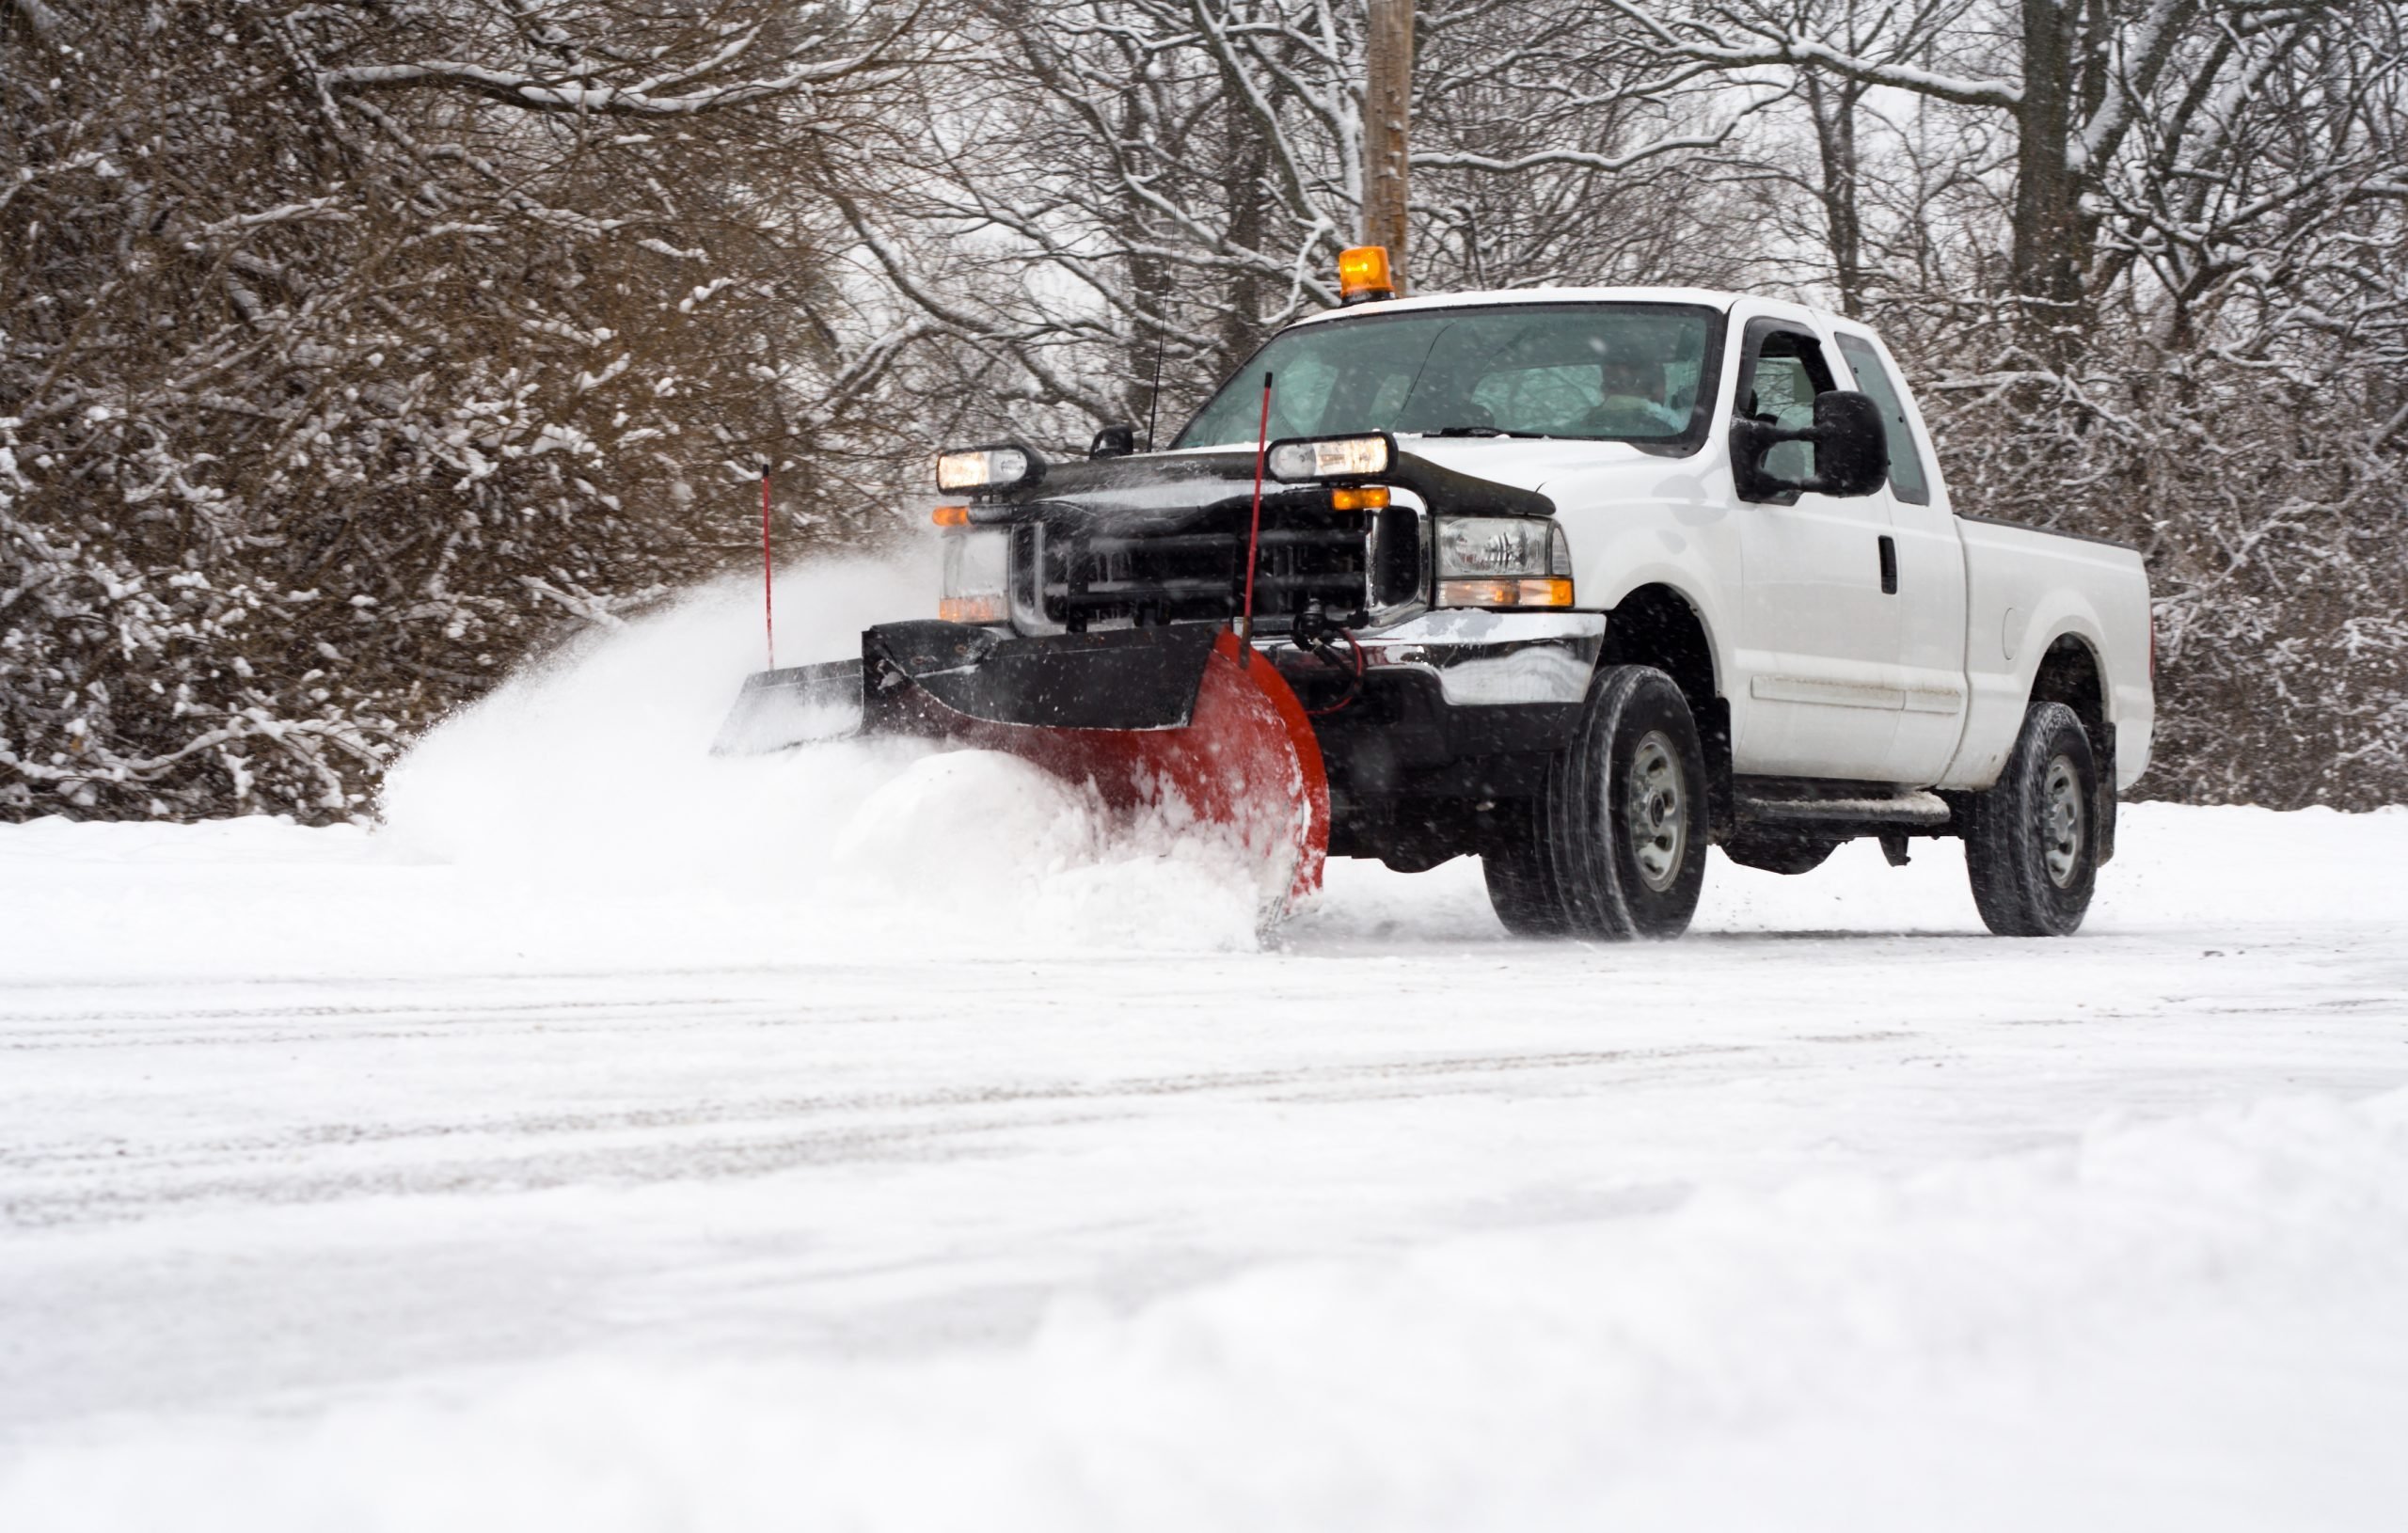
(1183, 718)
(804, 704)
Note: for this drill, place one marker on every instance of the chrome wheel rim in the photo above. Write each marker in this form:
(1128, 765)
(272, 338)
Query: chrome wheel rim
(1653, 811)
(2060, 821)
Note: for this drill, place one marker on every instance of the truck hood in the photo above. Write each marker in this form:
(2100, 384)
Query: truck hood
(1534, 463)
(1155, 492)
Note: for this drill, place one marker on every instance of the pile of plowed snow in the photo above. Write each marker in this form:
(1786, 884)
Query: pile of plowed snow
(592, 774)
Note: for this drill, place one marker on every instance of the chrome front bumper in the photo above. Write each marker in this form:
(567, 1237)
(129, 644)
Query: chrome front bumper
(1482, 659)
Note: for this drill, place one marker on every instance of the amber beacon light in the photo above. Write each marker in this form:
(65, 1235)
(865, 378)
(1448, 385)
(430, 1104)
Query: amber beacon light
(1363, 275)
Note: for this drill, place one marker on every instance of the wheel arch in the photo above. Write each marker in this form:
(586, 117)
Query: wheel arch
(1660, 624)
(2072, 671)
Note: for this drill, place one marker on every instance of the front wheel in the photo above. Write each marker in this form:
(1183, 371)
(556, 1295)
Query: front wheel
(2032, 849)
(1614, 845)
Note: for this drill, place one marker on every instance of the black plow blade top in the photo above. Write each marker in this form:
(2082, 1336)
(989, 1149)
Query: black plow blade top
(931, 677)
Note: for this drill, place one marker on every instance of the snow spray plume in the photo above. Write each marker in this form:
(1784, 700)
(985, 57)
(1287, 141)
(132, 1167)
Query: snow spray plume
(593, 772)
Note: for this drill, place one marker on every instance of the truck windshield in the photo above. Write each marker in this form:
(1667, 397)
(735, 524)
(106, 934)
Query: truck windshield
(1629, 373)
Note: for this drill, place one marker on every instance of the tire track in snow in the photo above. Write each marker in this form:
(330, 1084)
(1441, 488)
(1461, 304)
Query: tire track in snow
(130, 1181)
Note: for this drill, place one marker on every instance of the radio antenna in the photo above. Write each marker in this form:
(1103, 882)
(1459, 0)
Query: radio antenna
(1254, 529)
(768, 597)
(1154, 406)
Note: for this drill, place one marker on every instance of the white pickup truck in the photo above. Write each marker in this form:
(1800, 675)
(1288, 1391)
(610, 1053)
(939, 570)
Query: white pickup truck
(1584, 581)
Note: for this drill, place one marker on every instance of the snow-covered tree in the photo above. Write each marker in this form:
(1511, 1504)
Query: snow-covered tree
(347, 351)
(1116, 188)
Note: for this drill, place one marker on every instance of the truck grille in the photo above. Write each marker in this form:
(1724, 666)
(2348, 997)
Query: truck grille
(1074, 576)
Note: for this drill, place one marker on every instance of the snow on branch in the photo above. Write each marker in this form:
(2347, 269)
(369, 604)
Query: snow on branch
(1757, 43)
(673, 92)
(1457, 160)
(538, 94)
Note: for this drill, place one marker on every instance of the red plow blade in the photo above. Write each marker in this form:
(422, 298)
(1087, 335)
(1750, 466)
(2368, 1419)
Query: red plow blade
(1245, 762)
(1180, 720)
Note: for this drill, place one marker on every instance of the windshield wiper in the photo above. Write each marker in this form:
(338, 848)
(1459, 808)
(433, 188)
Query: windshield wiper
(1484, 431)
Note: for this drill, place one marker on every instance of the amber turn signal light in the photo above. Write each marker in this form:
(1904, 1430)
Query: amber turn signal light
(1363, 274)
(1358, 497)
(1550, 592)
(951, 517)
(971, 609)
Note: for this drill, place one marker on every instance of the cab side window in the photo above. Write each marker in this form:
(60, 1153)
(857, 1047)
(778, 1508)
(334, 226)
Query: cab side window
(1780, 375)
(1907, 480)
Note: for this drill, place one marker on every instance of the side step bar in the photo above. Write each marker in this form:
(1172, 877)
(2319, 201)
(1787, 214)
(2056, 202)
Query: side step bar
(1915, 807)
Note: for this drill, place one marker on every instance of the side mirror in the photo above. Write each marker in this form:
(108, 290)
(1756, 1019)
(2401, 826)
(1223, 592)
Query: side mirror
(1851, 446)
(1115, 441)
(1851, 451)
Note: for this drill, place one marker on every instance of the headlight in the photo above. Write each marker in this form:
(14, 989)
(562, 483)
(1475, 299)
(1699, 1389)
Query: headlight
(1503, 561)
(986, 469)
(1331, 457)
(978, 577)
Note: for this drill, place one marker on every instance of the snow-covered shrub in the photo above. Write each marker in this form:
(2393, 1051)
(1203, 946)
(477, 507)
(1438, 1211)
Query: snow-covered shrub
(346, 353)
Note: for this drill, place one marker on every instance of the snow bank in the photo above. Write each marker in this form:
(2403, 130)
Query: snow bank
(2061, 1339)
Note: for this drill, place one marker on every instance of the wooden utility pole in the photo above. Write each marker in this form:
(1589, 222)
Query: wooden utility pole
(1388, 108)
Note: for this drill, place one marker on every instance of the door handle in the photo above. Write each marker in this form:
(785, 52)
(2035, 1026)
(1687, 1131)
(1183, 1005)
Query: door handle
(1889, 565)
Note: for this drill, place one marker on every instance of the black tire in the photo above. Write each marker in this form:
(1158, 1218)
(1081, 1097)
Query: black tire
(2032, 849)
(1614, 845)
(1522, 888)
(1774, 851)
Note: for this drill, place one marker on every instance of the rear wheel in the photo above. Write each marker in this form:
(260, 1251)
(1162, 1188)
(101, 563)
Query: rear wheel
(1614, 845)
(2031, 849)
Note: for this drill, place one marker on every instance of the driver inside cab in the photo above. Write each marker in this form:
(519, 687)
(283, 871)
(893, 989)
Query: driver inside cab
(1634, 402)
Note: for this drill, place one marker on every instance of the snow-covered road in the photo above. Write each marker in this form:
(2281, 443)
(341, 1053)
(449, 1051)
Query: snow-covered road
(516, 1166)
